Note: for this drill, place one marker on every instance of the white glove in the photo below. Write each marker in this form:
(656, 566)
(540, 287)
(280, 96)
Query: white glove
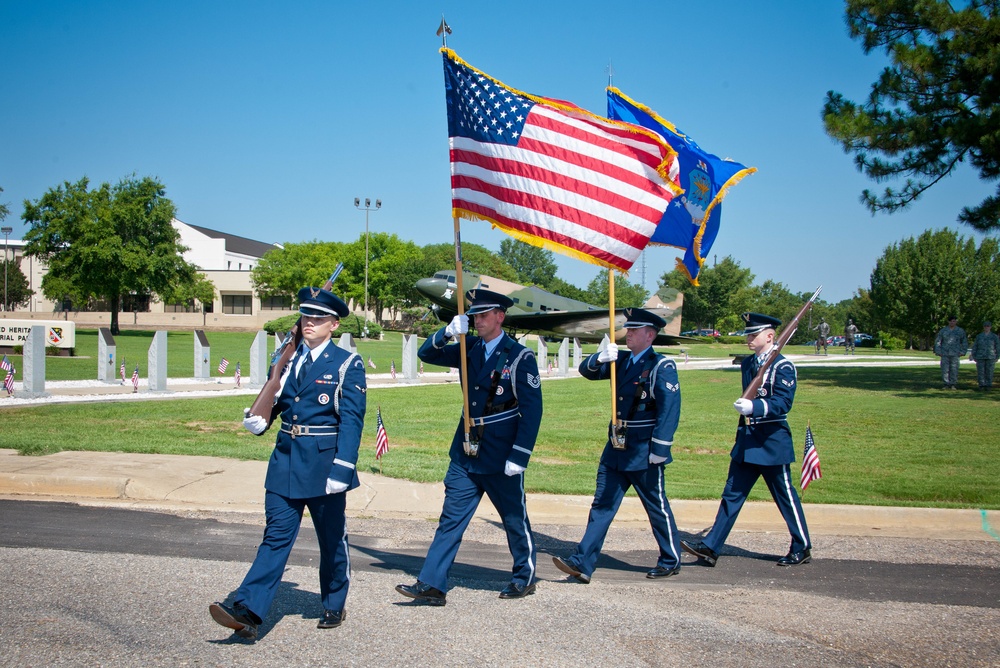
(743, 406)
(656, 459)
(458, 325)
(335, 486)
(254, 424)
(510, 468)
(609, 354)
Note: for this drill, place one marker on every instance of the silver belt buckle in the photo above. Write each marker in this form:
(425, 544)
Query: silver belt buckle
(296, 430)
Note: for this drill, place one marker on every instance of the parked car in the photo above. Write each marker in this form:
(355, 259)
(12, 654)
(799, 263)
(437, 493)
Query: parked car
(701, 332)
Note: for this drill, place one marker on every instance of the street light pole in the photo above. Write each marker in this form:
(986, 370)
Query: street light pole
(366, 208)
(6, 232)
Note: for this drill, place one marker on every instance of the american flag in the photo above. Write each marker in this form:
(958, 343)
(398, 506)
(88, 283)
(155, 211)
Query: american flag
(8, 379)
(421, 367)
(135, 379)
(370, 363)
(238, 376)
(381, 440)
(121, 370)
(223, 365)
(392, 369)
(552, 174)
(810, 461)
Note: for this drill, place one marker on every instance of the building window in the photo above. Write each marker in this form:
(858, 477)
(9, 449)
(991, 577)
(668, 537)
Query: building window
(237, 304)
(180, 307)
(278, 303)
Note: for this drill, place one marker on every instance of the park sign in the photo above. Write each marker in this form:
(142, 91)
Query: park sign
(58, 333)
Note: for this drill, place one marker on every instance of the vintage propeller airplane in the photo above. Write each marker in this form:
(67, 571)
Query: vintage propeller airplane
(551, 315)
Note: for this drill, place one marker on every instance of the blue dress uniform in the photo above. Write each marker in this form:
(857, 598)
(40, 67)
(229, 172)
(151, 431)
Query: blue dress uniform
(506, 434)
(649, 383)
(764, 449)
(321, 410)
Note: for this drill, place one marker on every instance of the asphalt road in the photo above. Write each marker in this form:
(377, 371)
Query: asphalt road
(114, 586)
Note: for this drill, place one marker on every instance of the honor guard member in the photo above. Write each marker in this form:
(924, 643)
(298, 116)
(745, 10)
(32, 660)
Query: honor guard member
(505, 403)
(763, 448)
(648, 408)
(321, 408)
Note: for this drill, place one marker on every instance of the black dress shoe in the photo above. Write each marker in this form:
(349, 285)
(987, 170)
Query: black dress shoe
(422, 592)
(796, 558)
(701, 551)
(514, 590)
(331, 619)
(570, 569)
(238, 618)
(661, 572)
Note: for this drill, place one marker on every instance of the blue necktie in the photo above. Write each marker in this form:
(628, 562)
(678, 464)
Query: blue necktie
(306, 363)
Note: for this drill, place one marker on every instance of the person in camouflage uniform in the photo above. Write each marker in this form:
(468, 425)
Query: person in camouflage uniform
(824, 333)
(951, 344)
(985, 351)
(849, 331)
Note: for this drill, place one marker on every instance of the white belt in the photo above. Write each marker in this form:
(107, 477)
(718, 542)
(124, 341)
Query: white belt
(496, 417)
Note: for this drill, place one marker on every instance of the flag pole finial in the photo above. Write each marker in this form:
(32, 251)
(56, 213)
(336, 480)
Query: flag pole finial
(443, 31)
(611, 74)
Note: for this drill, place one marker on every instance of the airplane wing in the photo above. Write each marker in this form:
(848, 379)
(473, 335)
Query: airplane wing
(586, 324)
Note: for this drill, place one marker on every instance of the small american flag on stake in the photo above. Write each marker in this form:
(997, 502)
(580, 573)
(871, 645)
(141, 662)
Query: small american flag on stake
(135, 379)
(223, 365)
(121, 370)
(8, 379)
(810, 461)
(238, 376)
(381, 440)
(370, 363)
(392, 369)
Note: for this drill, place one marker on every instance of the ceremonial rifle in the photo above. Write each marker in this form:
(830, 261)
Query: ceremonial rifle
(264, 403)
(786, 334)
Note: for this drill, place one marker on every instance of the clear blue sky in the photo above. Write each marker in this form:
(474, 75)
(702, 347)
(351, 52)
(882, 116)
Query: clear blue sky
(267, 119)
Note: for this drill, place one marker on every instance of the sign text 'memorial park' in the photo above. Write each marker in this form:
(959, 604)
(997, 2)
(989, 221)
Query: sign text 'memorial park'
(58, 333)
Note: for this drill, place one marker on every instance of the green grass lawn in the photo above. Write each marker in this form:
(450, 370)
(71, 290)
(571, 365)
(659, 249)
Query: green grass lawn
(885, 436)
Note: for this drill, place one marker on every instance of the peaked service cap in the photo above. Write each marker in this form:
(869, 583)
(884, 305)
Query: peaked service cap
(321, 303)
(481, 301)
(638, 317)
(757, 322)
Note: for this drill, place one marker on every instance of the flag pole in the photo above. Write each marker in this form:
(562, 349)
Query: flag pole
(611, 339)
(461, 339)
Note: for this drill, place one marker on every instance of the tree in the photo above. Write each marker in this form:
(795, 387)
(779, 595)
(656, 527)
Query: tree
(918, 283)
(283, 271)
(711, 300)
(534, 265)
(4, 209)
(626, 294)
(774, 299)
(937, 105)
(106, 242)
(17, 291)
